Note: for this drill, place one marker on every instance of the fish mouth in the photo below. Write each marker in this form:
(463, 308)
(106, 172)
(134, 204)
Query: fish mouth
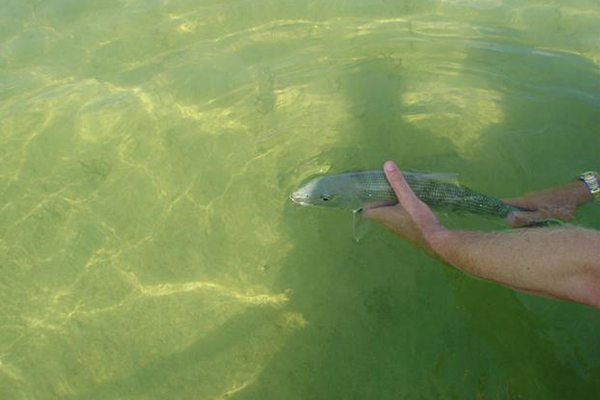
(299, 199)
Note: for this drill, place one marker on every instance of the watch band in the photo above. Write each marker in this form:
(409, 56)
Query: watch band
(590, 178)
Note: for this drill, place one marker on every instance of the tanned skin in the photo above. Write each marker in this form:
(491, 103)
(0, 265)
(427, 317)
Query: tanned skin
(561, 262)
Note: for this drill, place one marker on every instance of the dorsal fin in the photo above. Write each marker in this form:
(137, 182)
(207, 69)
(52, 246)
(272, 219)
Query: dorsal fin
(448, 177)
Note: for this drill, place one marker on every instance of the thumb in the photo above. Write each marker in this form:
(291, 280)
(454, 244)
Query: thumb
(380, 214)
(418, 211)
(407, 198)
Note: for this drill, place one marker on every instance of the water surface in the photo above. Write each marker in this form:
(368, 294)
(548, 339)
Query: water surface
(147, 149)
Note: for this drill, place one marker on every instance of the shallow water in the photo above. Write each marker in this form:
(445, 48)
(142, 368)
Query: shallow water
(147, 149)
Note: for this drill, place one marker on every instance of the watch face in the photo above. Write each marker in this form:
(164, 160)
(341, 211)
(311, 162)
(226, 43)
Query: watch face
(591, 180)
(589, 176)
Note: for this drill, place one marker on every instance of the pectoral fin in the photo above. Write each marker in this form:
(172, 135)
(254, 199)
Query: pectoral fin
(360, 225)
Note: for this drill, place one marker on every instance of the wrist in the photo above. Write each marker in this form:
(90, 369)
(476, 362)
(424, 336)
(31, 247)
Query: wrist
(438, 240)
(456, 248)
(581, 192)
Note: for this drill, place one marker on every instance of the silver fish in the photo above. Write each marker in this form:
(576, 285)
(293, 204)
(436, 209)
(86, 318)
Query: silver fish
(357, 190)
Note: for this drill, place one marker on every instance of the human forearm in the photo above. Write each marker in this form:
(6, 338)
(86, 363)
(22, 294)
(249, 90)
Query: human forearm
(572, 193)
(559, 262)
(559, 202)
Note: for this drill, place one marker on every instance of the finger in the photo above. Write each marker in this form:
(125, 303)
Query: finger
(519, 219)
(418, 211)
(406, 196)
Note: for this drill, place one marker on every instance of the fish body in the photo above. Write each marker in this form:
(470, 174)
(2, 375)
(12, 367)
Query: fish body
(357, 190)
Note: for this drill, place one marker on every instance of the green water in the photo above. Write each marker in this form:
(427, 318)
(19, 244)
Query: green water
(147, 149)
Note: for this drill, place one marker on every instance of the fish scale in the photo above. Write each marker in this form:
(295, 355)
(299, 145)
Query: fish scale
(435, 193)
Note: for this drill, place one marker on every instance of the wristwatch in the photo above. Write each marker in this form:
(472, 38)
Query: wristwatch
(590, 178)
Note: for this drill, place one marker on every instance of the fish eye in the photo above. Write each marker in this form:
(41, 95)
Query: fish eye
(325, 198)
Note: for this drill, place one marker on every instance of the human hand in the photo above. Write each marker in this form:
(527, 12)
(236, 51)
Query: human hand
(559, 202)
(410, 218)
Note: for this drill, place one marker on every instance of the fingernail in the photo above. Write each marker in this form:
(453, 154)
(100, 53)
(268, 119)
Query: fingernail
(389, 166)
